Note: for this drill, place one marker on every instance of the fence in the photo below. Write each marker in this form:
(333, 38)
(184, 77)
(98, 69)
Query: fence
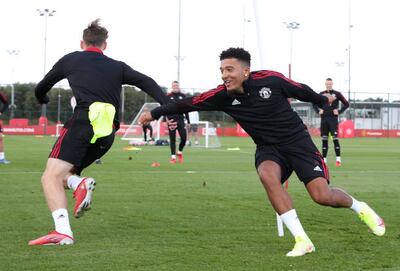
(368, 110)
(379, 111)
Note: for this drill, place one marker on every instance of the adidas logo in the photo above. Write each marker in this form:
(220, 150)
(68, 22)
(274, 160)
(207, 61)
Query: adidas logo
(235, 102)
(317, 168)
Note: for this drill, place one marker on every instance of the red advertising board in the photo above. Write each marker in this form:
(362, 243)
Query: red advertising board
(346, 130)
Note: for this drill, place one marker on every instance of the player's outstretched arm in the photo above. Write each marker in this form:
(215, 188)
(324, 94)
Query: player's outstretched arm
(146, 117)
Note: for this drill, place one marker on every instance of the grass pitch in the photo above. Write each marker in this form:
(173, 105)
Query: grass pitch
(210, 213)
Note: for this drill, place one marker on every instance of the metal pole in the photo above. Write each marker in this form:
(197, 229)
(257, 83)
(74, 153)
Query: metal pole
(349, 54)
(179, 44)
(123, 105)
(12, 105)
(59, 107)
(291, 26)
(45, 13)
(291, 53)
(45, 44)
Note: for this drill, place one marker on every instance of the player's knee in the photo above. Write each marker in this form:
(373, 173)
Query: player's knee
(50, 176)
(269, 177)
(45, 178)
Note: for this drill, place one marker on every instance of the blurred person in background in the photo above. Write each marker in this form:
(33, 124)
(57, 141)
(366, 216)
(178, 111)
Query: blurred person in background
(330, 119)
(174, 96)
(3, 108)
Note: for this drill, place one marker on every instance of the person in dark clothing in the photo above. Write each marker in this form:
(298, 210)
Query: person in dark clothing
(258, 101)
(329, 119)
(147, 127)
(96, 81)
(177, 95)
(3, 107)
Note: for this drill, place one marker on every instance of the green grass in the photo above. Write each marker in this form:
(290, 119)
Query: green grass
(164, 218)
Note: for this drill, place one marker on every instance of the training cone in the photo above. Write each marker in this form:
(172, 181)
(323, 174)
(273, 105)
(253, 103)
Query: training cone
(155, 164)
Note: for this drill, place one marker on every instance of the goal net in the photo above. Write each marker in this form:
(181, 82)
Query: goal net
(59, 126)
(135, 131)
(203, 134)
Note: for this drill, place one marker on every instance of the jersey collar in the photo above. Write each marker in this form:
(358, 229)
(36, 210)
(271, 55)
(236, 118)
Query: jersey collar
(93, 49)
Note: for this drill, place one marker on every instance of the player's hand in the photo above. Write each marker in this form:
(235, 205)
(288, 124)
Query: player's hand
(188, 126)
(321, 111)
(145, 118)
(335, 112)
(172, 125)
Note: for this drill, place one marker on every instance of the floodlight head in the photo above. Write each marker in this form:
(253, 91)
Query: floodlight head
(292, 25)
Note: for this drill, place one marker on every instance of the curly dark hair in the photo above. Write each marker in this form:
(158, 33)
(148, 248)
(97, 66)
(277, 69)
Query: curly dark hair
(95, 34)
(238, 53)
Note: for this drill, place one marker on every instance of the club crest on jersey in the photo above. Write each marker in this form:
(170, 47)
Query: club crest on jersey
(265, 93)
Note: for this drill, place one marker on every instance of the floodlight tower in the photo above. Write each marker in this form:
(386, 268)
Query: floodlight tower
(179, 57)
(12, 105)
(349, 52)
(292, 26)
(45, 13)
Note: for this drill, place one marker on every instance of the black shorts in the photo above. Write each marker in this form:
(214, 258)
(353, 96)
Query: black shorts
(300, 156)
(193, 128)
(329, 125)
(73, 145)
(1, 128)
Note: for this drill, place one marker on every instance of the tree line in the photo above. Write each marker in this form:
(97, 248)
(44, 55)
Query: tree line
(28, 107)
